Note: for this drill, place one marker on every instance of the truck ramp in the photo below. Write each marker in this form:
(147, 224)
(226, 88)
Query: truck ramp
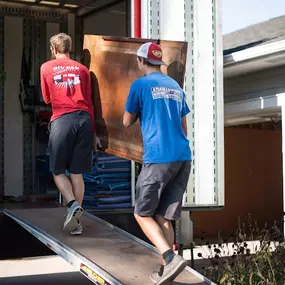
(104, 253)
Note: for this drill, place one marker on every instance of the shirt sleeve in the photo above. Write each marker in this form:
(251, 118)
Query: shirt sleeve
(185, 108)
(89, 95)
(44, 88)
(133, 104)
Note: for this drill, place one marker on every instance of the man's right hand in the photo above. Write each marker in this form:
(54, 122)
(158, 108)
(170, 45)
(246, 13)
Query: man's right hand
(96, 143)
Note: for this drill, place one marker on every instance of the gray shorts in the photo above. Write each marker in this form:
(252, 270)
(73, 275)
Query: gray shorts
(160, 189)
(71, 143)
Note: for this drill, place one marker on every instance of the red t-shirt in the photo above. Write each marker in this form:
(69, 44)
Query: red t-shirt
(66, 85)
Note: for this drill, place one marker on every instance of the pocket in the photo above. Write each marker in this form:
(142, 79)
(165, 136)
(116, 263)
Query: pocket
(148, 175)
(146, 165)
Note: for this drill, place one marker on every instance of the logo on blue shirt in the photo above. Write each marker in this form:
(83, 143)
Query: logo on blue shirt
(167, 93)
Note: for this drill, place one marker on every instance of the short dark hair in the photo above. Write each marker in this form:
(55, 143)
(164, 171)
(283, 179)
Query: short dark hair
(144, 60)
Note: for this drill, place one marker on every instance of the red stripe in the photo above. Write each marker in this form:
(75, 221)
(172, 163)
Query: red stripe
(137, 18)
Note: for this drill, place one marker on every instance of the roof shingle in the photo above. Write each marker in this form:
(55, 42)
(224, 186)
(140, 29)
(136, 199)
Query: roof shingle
(272, 30)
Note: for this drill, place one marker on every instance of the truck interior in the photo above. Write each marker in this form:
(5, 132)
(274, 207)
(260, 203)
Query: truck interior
(25, 29)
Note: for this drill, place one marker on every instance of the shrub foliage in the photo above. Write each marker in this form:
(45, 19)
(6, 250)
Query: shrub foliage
(238, 262)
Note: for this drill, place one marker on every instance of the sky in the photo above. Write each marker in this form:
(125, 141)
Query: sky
(238, 14)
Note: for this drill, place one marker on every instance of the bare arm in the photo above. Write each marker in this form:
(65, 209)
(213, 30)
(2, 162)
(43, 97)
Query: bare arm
(184, 125)
(129, 119)
(90, 101)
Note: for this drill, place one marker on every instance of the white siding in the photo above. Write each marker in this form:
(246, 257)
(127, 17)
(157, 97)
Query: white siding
(254, 85)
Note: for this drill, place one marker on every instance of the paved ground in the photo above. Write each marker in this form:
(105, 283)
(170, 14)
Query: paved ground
(44, 271)
(49, 279)
(51, 270)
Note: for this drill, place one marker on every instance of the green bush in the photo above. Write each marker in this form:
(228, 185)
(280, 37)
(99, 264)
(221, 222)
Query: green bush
(262, 265)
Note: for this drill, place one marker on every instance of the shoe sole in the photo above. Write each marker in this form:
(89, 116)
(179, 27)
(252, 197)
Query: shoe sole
(76, 233)
(154, 281)
(168, 279)
(71, 224)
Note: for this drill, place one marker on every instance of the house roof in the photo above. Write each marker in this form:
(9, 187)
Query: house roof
(266, 32)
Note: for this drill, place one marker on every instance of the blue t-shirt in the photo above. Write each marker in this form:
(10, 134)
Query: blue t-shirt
(160, 103)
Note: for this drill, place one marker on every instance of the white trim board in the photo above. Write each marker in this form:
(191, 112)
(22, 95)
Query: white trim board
(254, 110)
(254, 52)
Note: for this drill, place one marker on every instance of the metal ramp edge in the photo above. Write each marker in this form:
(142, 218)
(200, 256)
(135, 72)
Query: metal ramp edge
(88, 268)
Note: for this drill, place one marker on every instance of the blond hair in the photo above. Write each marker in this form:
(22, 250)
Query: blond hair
(61, 42)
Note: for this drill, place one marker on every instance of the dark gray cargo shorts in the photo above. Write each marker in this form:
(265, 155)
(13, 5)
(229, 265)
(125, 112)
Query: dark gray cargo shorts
(71, 143)
(160, 189)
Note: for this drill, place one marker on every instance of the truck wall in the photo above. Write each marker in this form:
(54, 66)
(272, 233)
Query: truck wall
(13, 117)
(253, 181)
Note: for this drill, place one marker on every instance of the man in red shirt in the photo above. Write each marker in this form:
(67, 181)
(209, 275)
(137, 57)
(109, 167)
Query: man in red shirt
(66, 85)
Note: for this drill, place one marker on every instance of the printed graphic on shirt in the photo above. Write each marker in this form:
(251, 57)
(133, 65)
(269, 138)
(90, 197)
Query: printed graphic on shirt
(66, 76)
(166, 93)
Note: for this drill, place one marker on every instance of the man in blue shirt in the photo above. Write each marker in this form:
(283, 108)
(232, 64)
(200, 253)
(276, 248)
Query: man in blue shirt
(159, 103)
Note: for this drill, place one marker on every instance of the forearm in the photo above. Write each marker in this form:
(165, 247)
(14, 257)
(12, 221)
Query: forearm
(184, 126)
(129, 119)
(93, 120)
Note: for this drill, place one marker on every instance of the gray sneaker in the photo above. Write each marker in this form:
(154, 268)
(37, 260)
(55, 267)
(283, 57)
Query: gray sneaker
(73, 214)
(170, 271)
(78, 230)
(156, 275)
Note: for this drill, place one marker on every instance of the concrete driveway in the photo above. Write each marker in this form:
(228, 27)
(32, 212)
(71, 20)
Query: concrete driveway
(40, 271)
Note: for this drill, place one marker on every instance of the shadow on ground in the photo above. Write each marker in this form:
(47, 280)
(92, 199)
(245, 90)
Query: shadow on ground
(73, 278)
(16, 242)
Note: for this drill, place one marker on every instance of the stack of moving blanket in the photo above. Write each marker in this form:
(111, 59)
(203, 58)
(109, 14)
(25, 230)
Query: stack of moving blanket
(109, 184)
